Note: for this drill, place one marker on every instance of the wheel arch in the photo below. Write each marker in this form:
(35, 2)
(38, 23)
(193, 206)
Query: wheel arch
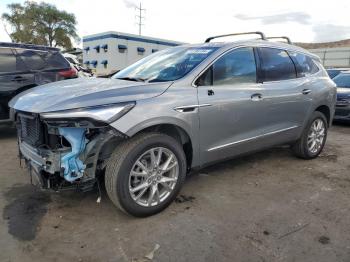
(325, 110)
(176, 132)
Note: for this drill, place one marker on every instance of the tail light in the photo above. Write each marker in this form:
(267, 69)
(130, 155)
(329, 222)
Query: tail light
(68, 73)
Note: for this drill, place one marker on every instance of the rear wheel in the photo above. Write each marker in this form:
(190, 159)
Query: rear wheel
(313, 139)
(145, 173)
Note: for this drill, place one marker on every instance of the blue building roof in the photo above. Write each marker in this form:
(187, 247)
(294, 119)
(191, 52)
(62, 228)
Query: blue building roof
(130, 38)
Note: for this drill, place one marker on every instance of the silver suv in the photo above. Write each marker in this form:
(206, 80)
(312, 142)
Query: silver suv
(174, 111)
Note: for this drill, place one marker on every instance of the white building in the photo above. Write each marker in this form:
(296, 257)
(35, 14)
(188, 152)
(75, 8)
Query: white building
(333, 56)
(111, 51)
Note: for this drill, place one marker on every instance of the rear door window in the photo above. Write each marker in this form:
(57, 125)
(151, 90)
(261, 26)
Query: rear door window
(304, 64)
(276, 65)
(10, 62)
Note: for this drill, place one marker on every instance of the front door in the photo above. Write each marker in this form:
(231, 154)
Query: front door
(232, 110)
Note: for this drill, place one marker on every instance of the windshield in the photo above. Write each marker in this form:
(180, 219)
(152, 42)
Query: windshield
(342, 80)
(167, 65)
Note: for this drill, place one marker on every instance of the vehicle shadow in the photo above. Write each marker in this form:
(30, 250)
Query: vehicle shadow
(341, 123)
(7, 132)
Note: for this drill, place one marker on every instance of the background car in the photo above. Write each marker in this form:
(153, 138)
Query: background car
(342, 111)
(82, 71)
(333, 72)
(25, 66)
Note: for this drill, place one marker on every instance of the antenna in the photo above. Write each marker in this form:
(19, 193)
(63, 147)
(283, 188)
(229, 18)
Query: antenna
(139, 16)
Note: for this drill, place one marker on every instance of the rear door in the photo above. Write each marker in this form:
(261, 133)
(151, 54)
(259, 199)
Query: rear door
(287, 96)
(13, 76)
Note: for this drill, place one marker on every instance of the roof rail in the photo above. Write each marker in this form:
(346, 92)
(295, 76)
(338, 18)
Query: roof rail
(262, 35)
(281, 37)
(28, 46)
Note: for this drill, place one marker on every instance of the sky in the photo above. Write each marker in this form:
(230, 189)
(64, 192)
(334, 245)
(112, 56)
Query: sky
(192, 21)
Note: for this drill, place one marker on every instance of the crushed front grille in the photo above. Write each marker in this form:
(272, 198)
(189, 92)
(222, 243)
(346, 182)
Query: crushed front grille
(30, 129)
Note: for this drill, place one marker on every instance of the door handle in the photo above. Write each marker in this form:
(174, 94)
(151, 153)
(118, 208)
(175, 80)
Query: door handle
(18, 79)
(211, 92)
(306, 91)
(256, 97)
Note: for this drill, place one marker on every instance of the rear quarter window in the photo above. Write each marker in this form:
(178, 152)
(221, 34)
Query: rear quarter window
(276, 65)
(304, 64)
(56, 61)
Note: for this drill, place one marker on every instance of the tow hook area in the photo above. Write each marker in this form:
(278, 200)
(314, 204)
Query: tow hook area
(72, 167)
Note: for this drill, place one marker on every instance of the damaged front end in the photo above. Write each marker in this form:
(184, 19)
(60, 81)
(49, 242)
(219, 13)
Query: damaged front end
(63, 152)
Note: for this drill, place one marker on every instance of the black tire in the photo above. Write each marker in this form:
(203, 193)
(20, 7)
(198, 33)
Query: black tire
(121, 162)
(300, 148)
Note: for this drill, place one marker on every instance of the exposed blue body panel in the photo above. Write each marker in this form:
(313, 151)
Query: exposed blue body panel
(72, 165)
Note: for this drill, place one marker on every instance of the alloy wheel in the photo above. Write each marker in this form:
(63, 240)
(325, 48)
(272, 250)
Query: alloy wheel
(316, 136)
(153, 176)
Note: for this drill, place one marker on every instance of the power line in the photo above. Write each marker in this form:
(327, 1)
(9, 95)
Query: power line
(140, 18)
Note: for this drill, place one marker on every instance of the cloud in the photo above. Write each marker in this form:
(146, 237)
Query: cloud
(130, 4)
(296, 17)
(330, 32)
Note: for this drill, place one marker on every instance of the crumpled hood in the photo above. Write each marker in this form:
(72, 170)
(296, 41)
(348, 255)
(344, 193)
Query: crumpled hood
(83, 92)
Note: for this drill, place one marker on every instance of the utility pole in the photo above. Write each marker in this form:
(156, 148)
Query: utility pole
(140, 17)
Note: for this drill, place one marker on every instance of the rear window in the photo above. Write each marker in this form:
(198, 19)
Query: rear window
(9, 62)
(276, 65)
(304, 64)
(342, 80)
(333, 73)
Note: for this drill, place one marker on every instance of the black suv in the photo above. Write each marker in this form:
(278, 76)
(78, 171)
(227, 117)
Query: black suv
(24, 66)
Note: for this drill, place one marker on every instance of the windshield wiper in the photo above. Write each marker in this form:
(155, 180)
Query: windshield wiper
(136, 79)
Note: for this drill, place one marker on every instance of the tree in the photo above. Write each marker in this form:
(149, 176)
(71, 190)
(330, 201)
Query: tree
(41, 24)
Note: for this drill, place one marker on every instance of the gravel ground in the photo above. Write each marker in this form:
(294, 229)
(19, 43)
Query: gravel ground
(269, 206)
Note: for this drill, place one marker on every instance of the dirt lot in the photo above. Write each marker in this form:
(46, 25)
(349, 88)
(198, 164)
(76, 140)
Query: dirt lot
(266, 207)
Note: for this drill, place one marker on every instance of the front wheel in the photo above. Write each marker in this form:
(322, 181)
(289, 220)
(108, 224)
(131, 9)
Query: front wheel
(145, 173)
(313, 139)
